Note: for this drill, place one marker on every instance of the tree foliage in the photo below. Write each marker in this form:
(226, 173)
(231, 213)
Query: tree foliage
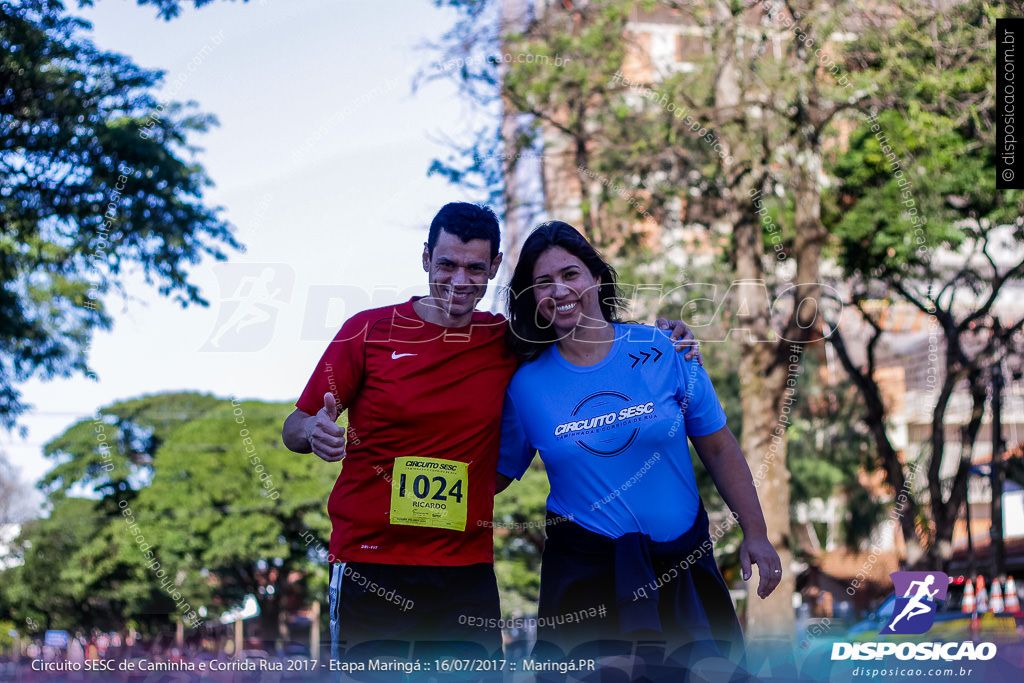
(214, 496)
(114, 451)
(519, 532)
(918, 220)
(98, 179)
(166, 9)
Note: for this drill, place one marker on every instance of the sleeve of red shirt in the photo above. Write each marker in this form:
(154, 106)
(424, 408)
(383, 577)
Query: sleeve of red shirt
(340, 369)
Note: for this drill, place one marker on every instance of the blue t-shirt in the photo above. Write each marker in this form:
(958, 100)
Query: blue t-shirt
(613, 435)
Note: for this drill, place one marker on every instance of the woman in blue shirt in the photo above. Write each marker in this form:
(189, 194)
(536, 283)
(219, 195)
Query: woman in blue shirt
(609, 408)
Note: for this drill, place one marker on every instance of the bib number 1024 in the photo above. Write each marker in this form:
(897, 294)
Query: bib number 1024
(422, 486)
(430, 492)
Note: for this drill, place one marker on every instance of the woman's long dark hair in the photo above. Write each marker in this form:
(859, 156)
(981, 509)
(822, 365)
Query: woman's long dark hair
(531, 334)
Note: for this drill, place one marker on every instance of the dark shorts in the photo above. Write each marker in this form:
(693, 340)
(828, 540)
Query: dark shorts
(414, 612)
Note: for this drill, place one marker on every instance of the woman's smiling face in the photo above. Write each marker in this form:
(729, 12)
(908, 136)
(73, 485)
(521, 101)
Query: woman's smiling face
(566, 293)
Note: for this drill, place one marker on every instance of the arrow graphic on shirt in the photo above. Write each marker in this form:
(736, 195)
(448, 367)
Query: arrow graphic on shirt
(646, 356)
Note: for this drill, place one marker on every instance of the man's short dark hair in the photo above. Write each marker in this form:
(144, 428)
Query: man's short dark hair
(467, 222)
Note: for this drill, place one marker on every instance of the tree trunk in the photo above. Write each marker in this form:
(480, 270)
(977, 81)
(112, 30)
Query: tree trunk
(515, 230)
(875, 419)
(764, 370)
(764, 443)
(762, 379)
(513, 13)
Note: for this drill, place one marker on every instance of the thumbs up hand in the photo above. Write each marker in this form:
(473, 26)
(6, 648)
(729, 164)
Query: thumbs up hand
(331, 407)
(326, 438)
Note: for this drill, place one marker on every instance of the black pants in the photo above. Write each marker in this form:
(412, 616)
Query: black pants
(414, 613)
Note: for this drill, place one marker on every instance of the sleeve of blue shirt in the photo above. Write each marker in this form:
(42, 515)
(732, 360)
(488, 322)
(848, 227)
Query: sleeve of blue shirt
(516, 452)
(702, 411)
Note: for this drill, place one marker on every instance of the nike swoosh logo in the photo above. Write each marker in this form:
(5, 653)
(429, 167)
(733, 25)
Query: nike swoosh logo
(395, 355)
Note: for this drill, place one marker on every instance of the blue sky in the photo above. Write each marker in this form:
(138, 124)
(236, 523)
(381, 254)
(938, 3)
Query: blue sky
(320, 163)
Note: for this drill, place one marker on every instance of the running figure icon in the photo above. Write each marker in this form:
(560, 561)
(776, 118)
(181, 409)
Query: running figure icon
(915, 606)
(251, 304)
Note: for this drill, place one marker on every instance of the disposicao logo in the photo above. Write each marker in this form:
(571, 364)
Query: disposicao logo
(914, 613)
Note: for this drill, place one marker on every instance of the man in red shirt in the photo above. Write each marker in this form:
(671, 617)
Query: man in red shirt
(423, 382)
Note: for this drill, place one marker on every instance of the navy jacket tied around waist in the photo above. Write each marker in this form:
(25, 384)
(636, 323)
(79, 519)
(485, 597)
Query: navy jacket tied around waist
(693, 596)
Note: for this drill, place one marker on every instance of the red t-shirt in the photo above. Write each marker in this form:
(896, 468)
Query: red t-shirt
(413, 388)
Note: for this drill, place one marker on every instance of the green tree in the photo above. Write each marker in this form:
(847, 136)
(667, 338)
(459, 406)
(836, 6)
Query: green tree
(98, 178)
(40, 591)
(829, 450)
(218, 507)
(166, 9)
(6, 639)
(114, 451)
(519, 533)
(919, 220)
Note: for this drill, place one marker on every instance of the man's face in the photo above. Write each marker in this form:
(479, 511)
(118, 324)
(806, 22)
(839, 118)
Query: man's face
(459, 272)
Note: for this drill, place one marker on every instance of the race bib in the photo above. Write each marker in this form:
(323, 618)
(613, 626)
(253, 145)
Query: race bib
(430, 492)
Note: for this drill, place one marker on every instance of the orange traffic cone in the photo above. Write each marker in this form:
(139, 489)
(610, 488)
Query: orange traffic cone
(969, 603)
(982, 595)
(997, 597)
(1012, 603)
